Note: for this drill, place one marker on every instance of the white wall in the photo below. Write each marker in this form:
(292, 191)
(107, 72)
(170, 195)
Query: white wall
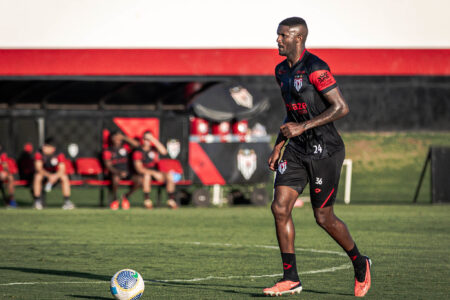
(221, 24)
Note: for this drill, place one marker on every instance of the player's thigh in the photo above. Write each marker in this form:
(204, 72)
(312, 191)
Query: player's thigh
(291, 172)
(324, 179)
(158, 176)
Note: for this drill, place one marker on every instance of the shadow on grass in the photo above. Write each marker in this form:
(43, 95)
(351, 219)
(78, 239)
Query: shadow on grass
(226, 288)
(59, 273)
(88, 297)
(229, 288)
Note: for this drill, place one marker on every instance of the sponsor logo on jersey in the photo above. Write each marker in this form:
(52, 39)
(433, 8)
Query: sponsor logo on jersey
(246, 159)
(282, 166)
(300, 107)
(298, 82)
(173, 148)
(241, 96)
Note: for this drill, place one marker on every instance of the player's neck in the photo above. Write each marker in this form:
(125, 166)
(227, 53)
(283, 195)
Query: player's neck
(295, 56)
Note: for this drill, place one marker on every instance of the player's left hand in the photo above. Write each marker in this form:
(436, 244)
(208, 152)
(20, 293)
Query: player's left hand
(292, 129)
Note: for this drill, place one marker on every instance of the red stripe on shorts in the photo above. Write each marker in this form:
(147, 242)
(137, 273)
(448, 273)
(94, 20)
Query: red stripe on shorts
(328, 198)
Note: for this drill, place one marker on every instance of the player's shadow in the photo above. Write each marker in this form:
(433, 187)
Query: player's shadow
(229, 288)
(59, 273)
(88, 297)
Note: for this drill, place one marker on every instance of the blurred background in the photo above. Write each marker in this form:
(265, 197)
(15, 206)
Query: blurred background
(200, 74)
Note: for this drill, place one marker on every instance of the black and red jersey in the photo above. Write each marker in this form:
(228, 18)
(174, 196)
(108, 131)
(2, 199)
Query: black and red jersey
(50, 162)
(3, 159)
(148, 157)
(302, 88)
(118, 157)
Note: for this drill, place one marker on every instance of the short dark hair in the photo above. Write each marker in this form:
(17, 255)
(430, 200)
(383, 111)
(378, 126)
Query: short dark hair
(147, 131)
(49, 141)
(294, 21)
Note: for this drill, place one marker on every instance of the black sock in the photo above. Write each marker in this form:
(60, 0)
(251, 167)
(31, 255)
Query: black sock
(146, 196)
(66, 198)
(289, 267)
(171, 195)
(359, 263)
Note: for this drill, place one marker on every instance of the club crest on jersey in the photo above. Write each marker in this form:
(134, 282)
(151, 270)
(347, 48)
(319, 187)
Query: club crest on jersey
(54, 161)
(173, 148)
(246, 159)
(123, 151)
(298, 82)
(282, 166)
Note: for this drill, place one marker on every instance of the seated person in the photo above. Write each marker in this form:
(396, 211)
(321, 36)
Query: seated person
(144, 170)
(116, 163)
(49, 166)
(6, 177)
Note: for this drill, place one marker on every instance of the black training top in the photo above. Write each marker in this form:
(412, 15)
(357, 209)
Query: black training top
(302, 88)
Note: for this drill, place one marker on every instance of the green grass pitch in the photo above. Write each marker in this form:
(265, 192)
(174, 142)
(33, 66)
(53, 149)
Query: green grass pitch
(219, 253)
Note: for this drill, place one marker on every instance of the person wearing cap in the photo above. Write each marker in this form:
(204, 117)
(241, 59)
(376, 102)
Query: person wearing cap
(50, 168)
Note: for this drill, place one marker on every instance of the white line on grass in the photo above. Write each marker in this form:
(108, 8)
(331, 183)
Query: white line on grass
(332, 269)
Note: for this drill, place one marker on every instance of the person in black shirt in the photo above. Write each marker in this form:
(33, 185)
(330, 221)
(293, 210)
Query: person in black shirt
(313, 152)
(117, 164)
(49, 165)
(145, 169)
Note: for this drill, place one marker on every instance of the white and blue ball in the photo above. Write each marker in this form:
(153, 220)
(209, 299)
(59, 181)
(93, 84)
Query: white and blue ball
(127, 284)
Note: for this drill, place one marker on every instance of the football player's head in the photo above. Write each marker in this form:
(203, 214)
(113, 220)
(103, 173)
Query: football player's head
(291, 35)
(49, 146)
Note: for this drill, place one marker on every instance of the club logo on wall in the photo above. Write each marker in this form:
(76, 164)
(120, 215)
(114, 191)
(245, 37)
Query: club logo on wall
(282, 166)
(246, 159)
(72, 149)
(173, 148)
(241, 96)
(298, 82)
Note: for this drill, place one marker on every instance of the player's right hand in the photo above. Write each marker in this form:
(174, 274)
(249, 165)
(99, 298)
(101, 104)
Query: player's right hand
(273, 159)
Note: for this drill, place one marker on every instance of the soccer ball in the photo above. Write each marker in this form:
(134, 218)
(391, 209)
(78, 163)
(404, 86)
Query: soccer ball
(127, 284)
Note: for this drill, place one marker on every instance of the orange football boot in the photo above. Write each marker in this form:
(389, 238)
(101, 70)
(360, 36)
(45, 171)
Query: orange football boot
(283, 287)
(125, 203)
(114, 205)
(361, 288)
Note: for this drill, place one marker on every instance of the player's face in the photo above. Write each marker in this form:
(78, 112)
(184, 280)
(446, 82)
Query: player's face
(147, 139)
(48, 149)
(287, 39)
(116, 140)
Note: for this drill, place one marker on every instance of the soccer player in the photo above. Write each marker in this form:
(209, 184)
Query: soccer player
(314, 153)
(49, 166)
(7, 177)
(144, 163)
(116, 162)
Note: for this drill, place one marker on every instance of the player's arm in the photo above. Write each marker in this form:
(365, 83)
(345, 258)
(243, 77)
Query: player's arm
(275, 155)
(4, 161)
(130, 141)
(108, 163)
(139, 167)
(325, 83)
(61, 165)
(39, 167)
(158, 145)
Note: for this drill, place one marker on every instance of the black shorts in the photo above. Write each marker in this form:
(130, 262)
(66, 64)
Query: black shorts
(323, 175)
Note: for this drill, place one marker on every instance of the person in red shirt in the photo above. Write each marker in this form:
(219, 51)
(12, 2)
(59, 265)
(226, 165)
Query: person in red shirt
(50, 168)
(6, 177)
(144, 167)
(117, 164)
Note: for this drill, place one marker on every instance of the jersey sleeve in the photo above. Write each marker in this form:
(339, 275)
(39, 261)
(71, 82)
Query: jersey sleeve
(323, 80)
(107, 155)
(61, 158)
(137, 155)
(37, 156)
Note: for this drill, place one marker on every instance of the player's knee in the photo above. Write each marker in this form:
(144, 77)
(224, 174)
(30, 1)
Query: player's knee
(280, 211)
(324, 219)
